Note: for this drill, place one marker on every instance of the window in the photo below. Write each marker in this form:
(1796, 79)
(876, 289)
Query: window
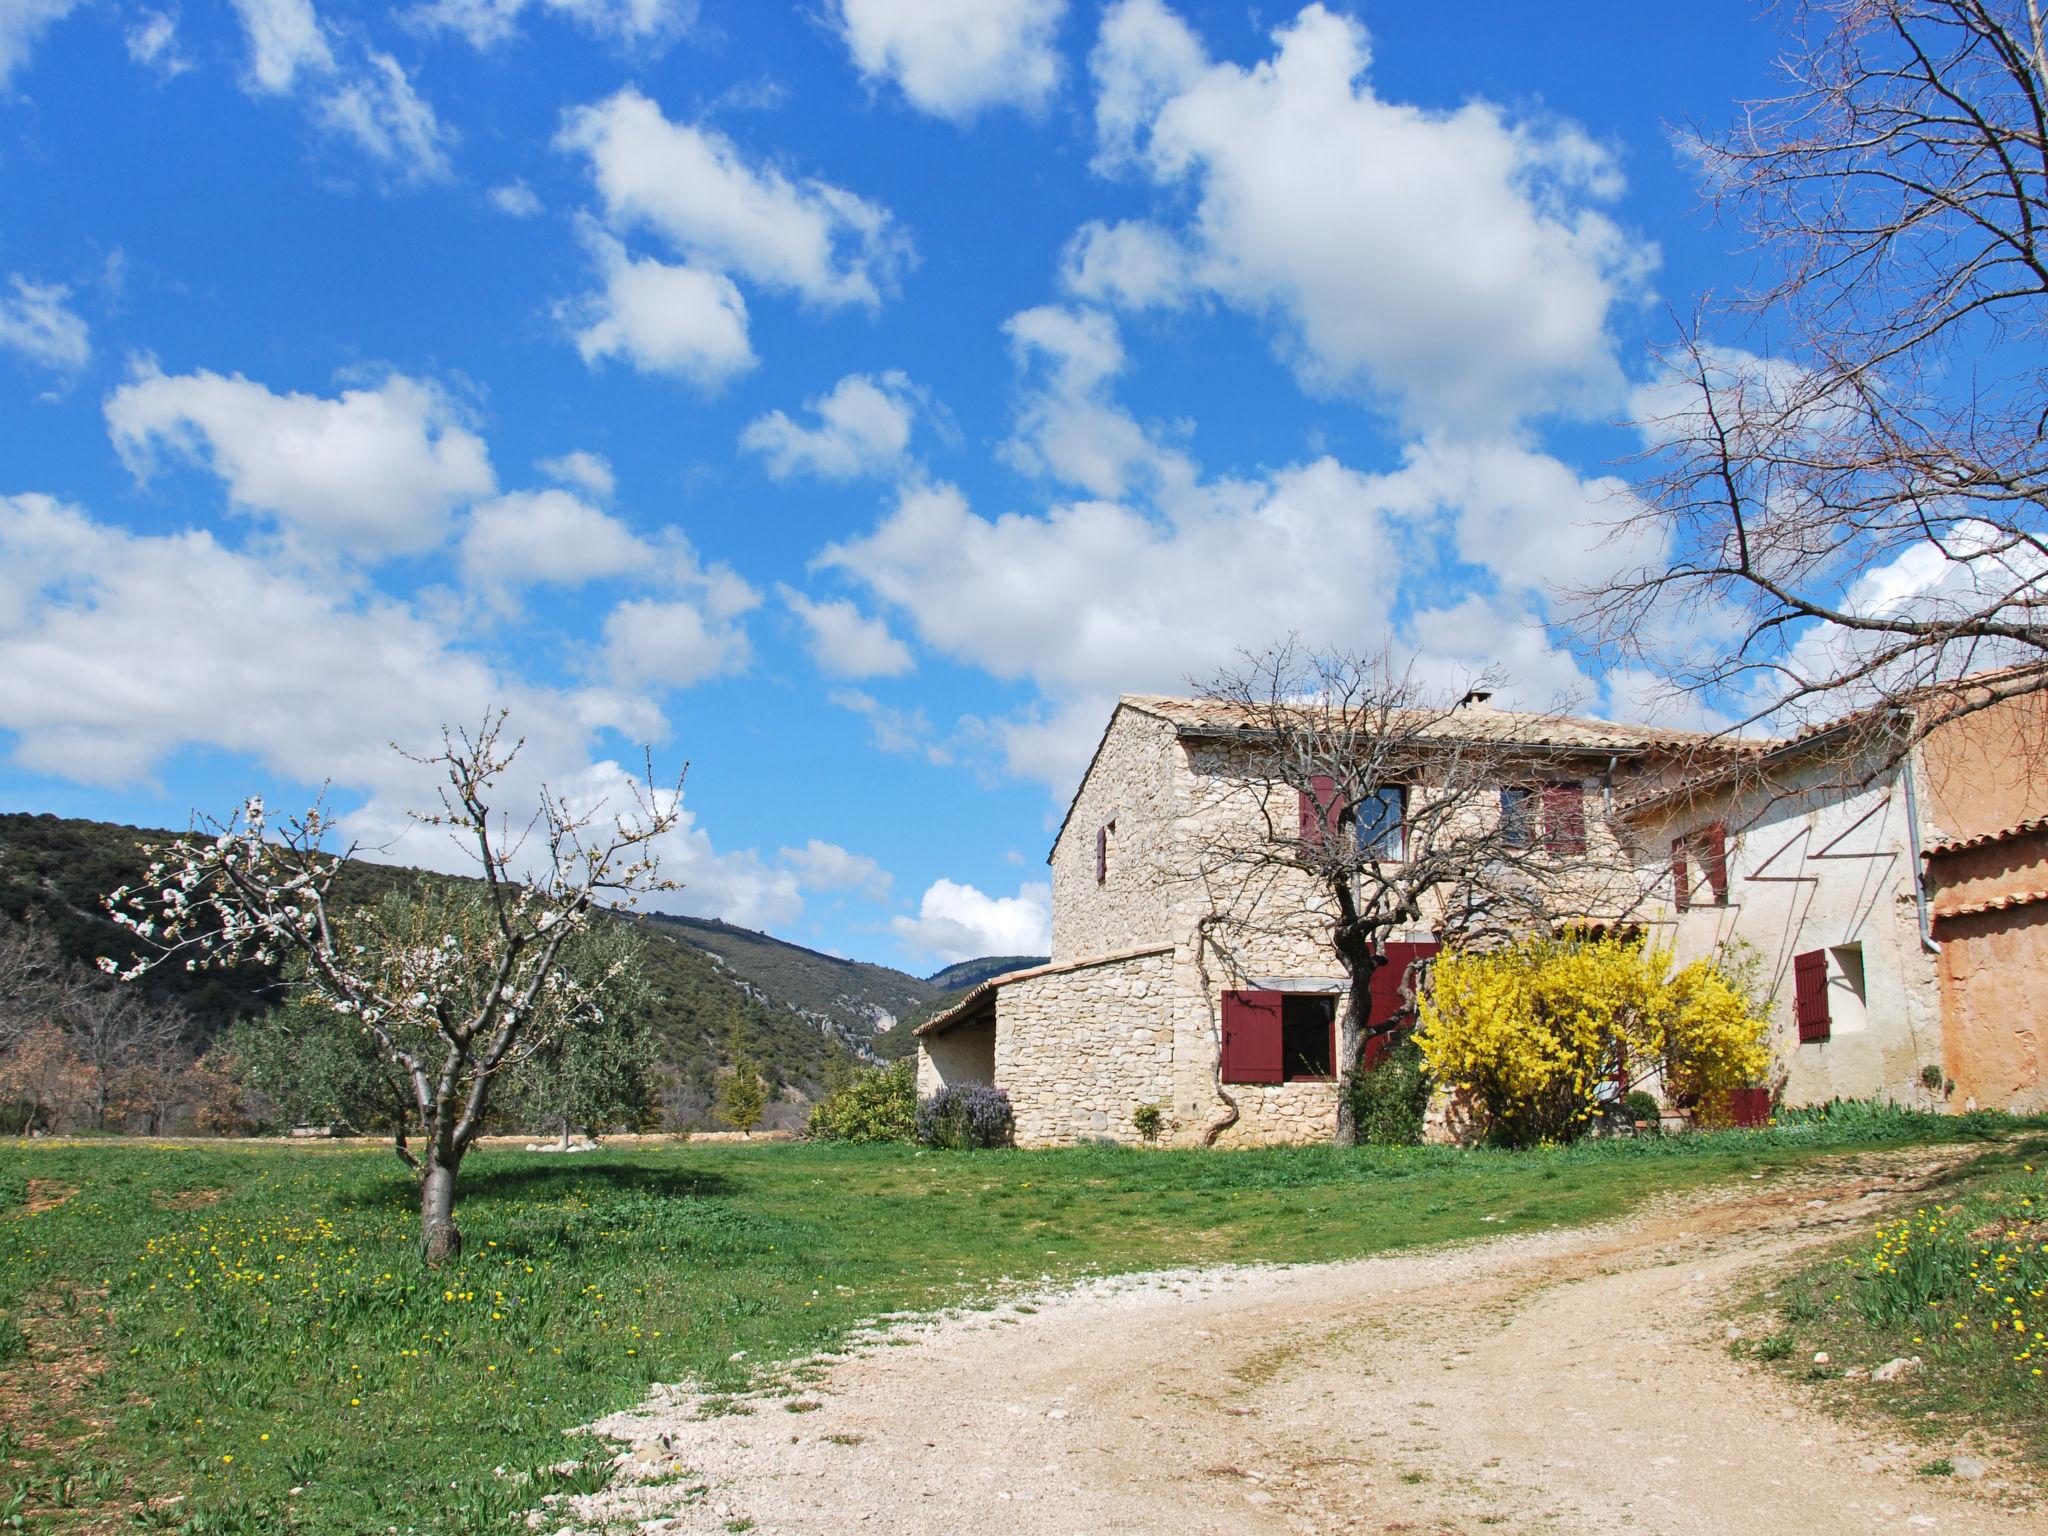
(1564, 818)
(1382, 822)
(1518, 815)
(1308, 1028)
(1708, 847)
(1104, 837)
(1810, 995)
(1318, 810)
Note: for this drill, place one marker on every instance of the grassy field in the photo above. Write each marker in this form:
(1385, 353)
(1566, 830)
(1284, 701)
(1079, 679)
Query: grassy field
(240, 1338)
(1961, 1284)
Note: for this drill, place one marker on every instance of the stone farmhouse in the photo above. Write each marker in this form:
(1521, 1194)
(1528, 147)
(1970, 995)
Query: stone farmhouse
(1229, 1028)
(1900, 906)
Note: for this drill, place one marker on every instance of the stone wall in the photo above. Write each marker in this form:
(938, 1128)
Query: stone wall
(965, 1053)
(1131, 785)
(1079, 1049)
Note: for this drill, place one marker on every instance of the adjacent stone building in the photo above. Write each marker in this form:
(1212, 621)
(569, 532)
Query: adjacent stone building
(1898, 904)
(1161, 990)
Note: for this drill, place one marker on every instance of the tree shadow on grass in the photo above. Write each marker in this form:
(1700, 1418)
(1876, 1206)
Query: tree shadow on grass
(586, 1174)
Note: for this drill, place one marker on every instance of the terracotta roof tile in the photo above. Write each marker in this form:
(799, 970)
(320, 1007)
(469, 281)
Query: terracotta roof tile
(2013, 833)
(2003, 903)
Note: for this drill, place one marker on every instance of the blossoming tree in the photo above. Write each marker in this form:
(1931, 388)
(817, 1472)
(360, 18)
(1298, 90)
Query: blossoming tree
(455, 988)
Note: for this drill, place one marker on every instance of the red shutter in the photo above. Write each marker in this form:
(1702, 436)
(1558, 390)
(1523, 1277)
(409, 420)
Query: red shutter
(1681, 879)
(1101, 855)
(1251, 1037)
(1317, 811)
(1810, 994)
(1390, 1007)
(1714, 855)
(1564, 818)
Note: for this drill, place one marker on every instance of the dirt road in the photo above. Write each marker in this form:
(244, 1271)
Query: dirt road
(1577, 1381)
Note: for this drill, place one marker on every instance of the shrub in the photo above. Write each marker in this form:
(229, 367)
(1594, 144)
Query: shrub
(1525, 1034)
(1148, 1120)
(966, 1115)
(1643, 1108)
(1389, 1102)
(876, 1105)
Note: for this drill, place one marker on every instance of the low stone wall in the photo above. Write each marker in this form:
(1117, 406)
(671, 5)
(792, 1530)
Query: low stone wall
(1281, 1114)
(1079, 1049)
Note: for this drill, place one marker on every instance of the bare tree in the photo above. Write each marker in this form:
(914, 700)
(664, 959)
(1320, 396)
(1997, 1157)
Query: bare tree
(1890, 419)
(35, 978)
(114, 1032)
(456, 986)
(1347, 803)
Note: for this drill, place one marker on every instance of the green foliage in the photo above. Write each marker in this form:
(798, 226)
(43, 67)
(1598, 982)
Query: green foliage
(1643, 1107)
(596, 1076)
(312, 1068)
(879, 1104)
(1148, 1120)
(742, 1094)
(1390, 1102)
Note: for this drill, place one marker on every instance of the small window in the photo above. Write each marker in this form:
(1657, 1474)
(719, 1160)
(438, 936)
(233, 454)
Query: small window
(1518, 816)
(1564, 818)
(1382, 822)
(1308, 1027)
(1708, 850)
(1105, 843)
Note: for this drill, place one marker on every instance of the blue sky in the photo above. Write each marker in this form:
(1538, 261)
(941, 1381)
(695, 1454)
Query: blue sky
(849, 397)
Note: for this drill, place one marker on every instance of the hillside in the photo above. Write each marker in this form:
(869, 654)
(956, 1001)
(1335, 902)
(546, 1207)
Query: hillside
(722, 990)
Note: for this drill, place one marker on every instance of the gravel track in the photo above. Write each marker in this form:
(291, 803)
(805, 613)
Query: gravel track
(1571, 1381)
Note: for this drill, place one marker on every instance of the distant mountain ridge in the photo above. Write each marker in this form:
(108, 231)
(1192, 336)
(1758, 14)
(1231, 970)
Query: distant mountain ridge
(972, 973)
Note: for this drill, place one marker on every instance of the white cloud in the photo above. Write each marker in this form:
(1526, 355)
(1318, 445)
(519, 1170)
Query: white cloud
(823, 866)
(685, 322)
(378, 108)
(957, 922)
(36, 323)
(671, 643)
(1448, 262)
(698, 190)
(153, 41)
(954, 58)
(1133, 264)
(589, 472)
(846, 642)
(373, 471)
(22, 24)
(284, 36)
(533, 537)
(898, 732)
(648, 25)
(1068, 426)
(863, 429)
(515, 199)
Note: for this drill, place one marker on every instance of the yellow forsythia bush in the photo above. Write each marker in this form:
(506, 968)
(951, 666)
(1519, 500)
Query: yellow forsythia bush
(1525, 1034)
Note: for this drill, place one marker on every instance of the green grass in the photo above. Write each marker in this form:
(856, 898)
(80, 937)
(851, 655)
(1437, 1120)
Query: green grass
(229, 1323)
(1962, 1283)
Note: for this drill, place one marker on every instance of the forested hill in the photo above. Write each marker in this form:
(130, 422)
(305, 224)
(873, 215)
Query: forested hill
(723, 990)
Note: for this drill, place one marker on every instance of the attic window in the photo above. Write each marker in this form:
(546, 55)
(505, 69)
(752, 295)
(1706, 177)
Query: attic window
(1104, 836)
(1706, 849)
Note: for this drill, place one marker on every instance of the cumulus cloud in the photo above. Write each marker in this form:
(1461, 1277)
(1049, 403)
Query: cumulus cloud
(37, 323)
(284, 37)
(1452, 263)
(685, 322)
(699, 191)
(374, 471)
(898, 732)
(823, 866)
(672, 643)
(648, 25)
(846, 642)
(516, 200)
(1133, 264)
(863, 429)
(588, 472)
(957, 58)
(152, 41)
(1069, 427)
(378, 109)
(550, 537)
(958, 922)
(358, 93)
(22, 25)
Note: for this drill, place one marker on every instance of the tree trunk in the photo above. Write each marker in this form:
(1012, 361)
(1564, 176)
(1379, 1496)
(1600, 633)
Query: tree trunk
(564, 1143)
(439, 1240)
(1351, 1028)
